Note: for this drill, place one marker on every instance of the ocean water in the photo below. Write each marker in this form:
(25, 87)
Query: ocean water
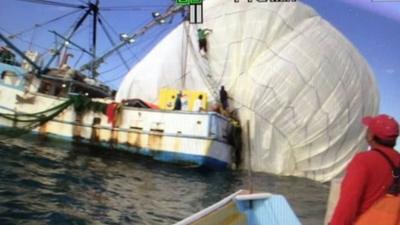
(53, 182)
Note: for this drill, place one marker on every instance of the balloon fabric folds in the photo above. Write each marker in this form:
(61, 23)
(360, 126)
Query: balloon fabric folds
(301, 84)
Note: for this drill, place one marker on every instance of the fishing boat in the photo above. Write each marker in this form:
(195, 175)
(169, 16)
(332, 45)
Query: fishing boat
(244, 208)
(71, 104)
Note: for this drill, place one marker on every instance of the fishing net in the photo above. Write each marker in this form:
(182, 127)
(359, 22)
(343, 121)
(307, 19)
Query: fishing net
(25, 122)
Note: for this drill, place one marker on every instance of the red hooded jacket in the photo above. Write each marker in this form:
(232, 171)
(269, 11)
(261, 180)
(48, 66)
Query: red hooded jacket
(368, 177)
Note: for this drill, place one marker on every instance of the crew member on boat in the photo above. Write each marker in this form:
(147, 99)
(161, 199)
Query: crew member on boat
(202, 36)
(197, 107)
(369, 174)
(178, 101)
(223, 96)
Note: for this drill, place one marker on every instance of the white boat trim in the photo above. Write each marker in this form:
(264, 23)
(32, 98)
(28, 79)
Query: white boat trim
(256, 196)
(210, 209)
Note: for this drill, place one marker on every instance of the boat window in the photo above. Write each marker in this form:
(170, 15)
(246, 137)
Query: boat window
(96, 121)
(10, 78)
(45, 88)
(55, 88)
(87, 90)
(60, 91)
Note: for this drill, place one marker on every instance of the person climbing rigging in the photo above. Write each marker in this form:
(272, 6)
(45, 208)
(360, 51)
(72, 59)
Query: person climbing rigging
(202, 36)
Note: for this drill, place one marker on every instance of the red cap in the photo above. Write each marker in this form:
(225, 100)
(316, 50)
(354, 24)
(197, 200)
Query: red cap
(383, 126)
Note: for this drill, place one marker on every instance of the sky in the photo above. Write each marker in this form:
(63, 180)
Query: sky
(127, 19)
(373, 26)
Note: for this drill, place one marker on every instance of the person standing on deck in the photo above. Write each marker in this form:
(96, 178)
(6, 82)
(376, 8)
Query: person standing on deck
(223, 97)
(197, 107)
(202, 36)
(185, 103)
(178, 101)
(369, 175)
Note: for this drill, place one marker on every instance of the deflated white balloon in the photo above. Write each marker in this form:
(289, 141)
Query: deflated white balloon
(299, 82)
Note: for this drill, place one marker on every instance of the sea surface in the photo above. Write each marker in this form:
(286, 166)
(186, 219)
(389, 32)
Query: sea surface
(54, 182)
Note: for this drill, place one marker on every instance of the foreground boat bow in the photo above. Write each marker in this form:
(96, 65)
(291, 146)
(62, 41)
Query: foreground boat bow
(242, 208)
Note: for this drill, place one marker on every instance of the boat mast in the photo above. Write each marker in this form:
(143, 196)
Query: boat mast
(78, 24)
(95, 63)
(91, 9)
(95, 9)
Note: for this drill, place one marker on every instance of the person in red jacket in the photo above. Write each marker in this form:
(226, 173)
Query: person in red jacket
(368, 176)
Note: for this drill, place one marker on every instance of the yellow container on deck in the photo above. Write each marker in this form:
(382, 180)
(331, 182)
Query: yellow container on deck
(167, 98)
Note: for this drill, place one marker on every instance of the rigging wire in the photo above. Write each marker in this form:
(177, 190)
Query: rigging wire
(115, 68)
(52, 3)
(128, 48)
(186, 52)
(25, 41)
(78, 60)
(73, 45)
(113, 30)
(108, 24)
(151, 40)
(71, 29)
(73, 48)
(108, 35)
(132, 7)
(82, 29)
(86, 5)
(151, 24)
(42, 24)
(31, 41)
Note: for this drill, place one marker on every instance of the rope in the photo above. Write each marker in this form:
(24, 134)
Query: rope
(185, 53)
(108, 35)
